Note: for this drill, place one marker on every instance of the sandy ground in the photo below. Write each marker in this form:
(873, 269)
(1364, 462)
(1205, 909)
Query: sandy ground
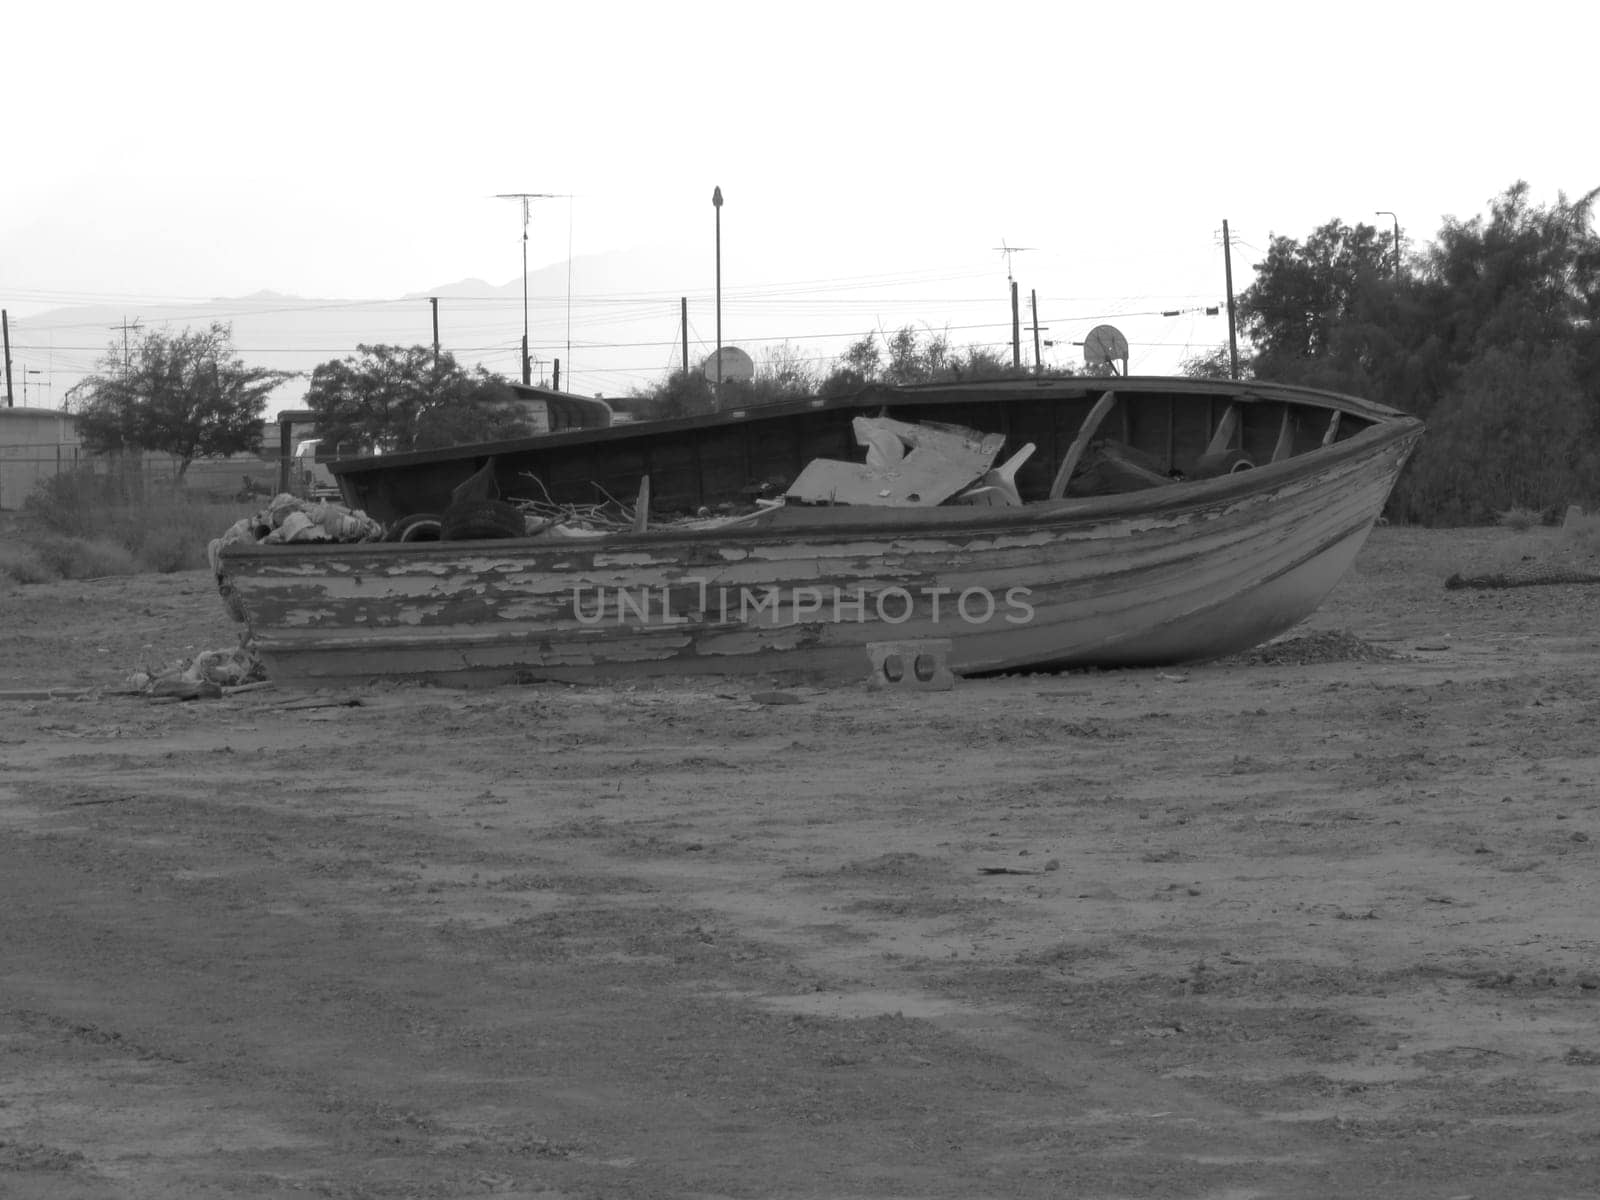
(1291, 928)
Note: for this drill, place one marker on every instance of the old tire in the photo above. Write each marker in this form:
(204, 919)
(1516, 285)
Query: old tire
(471, 520)
(418, 527)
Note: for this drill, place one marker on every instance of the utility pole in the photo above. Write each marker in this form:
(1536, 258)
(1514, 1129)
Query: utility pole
(1384, 212)
(1227, 266)
(683, 326)
(1016, 321)
(127, 356)
(1038, 362)
(1016, 330)
(716, 203)
(524, 197)
(5, 326)
(434, 301)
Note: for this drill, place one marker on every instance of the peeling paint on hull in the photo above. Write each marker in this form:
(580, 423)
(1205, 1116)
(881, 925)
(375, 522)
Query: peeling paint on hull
(1187, 572)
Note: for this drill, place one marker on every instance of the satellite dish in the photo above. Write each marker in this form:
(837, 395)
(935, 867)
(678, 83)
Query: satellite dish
(1105, 344)
(734, 364)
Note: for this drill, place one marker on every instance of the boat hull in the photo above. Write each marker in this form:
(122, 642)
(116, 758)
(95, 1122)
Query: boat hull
(1174, 574)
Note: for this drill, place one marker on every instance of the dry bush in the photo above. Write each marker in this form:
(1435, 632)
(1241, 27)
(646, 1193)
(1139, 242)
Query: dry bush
(82, 558)
(1519, 518)
(21, 564)
(83, 525)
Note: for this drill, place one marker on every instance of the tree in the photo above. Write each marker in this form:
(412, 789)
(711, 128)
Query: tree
(186, 394)
(1528, 276)
(1301, 308)
(1341, 312)
(1216, 363)
(786, 374)
(915, 358)
(683, 394)
(858, 366)
(400, 398)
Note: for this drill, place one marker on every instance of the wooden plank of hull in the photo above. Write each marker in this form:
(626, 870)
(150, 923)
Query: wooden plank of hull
(1222, 570)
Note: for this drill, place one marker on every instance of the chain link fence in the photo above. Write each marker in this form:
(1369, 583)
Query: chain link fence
(134, 476)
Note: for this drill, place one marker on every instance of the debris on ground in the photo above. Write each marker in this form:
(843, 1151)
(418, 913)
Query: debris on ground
(206, 676)
(1324, 646)
(1570, 555)
(1530, 572)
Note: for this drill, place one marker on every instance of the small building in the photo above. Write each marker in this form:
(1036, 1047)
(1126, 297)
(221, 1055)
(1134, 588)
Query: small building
(35, 444)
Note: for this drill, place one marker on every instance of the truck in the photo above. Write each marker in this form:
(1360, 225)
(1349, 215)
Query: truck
(309, 476)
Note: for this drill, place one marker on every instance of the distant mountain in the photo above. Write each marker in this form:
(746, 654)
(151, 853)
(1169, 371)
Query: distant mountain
(613, 319)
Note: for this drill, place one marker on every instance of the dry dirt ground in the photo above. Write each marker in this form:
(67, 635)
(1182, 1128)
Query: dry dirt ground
(1285, 928)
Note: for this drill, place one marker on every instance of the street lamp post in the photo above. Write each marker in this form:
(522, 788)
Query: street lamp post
(1384, 212)
(716, 203)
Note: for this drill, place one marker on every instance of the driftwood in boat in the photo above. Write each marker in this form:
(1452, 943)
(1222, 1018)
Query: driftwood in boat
(943, 460)
(1227, 429)
(1333, 429)
(884, 447)
(1223, 462)
(998, 486)
(955, 442)
(1111, 467)
(1285, 445)
(641, 508)
(1086, 432)
(1222, 456)
(923, 477)
(480, 485)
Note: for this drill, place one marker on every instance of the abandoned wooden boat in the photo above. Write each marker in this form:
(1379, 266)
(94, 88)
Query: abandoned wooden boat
(1153, 520)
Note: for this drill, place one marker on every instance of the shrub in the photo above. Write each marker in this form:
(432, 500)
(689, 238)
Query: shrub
(1519, 518)
(82, 558)
(170, 533)
(67, 503)
(1515, 433)
(82, 524)
(21, 564)
(170, 549)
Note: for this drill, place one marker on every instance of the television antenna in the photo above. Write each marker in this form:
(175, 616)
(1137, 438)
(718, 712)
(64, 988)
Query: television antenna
(1008, 251)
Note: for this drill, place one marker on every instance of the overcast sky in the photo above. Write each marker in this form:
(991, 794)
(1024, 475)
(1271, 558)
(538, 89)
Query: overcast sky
(873, 157)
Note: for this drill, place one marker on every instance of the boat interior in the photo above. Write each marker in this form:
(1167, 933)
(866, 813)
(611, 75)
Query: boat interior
(1050, 439)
